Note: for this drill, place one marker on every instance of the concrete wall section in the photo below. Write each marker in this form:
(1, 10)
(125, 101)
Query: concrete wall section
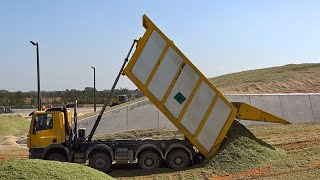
(143, 115)
(164, 122)
(267, 103)
(270, 104)
(110, 122)
(239, 98)
(296, 109)
(113, 121)
(87, 124)
(315, 104)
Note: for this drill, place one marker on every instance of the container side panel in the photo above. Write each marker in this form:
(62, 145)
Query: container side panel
(181, 91)
(149, 57)
(165, 73)
(214, 124)
(198, 108)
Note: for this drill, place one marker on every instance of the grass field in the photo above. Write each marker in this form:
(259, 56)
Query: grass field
(292, 78)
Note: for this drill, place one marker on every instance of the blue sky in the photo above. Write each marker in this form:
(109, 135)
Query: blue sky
(219, 37)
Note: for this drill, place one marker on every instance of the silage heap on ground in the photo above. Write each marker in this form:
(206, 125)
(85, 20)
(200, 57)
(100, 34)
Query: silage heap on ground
(155, 134)
(41, 169)
(241, 150)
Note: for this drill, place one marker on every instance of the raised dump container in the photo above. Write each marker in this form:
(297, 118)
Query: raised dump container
(182, 93)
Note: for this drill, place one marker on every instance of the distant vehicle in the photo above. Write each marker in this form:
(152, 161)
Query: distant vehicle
(69, 104)
(5, 110)
(120, 99)
(8, 110)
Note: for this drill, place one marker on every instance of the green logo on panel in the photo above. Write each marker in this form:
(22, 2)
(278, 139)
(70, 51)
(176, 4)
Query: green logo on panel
(179, 97)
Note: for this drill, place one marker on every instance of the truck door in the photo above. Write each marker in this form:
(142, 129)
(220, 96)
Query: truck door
(42, 132)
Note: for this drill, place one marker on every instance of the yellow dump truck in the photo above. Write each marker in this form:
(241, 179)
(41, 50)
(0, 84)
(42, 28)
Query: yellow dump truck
(182, 93)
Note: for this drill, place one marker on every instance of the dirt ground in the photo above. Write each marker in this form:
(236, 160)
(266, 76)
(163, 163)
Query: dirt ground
(299, 142)
(9, 149)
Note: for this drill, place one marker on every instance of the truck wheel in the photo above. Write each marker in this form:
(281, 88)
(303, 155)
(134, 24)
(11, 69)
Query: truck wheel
(149, 160)
(56, 157)
(178, 159)
(100, 161)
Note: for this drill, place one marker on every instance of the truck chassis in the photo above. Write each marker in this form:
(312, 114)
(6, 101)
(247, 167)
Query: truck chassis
(101, 154)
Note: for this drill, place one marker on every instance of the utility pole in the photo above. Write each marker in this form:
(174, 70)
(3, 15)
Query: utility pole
(94, 89)
(38, 73)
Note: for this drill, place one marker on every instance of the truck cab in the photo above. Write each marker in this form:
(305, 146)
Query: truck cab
(49, 129)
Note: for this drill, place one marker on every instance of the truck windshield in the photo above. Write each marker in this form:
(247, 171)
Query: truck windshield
(43, 121)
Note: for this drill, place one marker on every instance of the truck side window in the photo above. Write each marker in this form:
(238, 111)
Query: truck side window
(44, 121)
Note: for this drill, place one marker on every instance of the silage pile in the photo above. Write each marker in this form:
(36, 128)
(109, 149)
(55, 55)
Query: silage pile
(42, 169)
(241, 150)
(156, 134)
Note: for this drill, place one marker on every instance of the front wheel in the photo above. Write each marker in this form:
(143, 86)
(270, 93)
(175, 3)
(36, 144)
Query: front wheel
(100, 161)
(56, 157)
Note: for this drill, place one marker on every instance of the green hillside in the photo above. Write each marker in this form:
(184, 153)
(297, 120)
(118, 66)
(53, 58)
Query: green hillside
(13, 125)
(291, 78)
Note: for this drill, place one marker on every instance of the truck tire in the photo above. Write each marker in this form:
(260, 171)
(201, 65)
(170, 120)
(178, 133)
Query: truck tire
(56, 157)
(149, 160)
(100, 161)
(177, 159)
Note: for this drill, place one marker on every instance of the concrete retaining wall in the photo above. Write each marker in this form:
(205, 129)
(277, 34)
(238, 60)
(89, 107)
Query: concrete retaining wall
(296, 108)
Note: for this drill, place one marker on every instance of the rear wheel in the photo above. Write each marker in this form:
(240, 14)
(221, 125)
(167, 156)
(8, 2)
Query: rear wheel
(56, 157)
(149, 160)
(100, 161)
(178, 159)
